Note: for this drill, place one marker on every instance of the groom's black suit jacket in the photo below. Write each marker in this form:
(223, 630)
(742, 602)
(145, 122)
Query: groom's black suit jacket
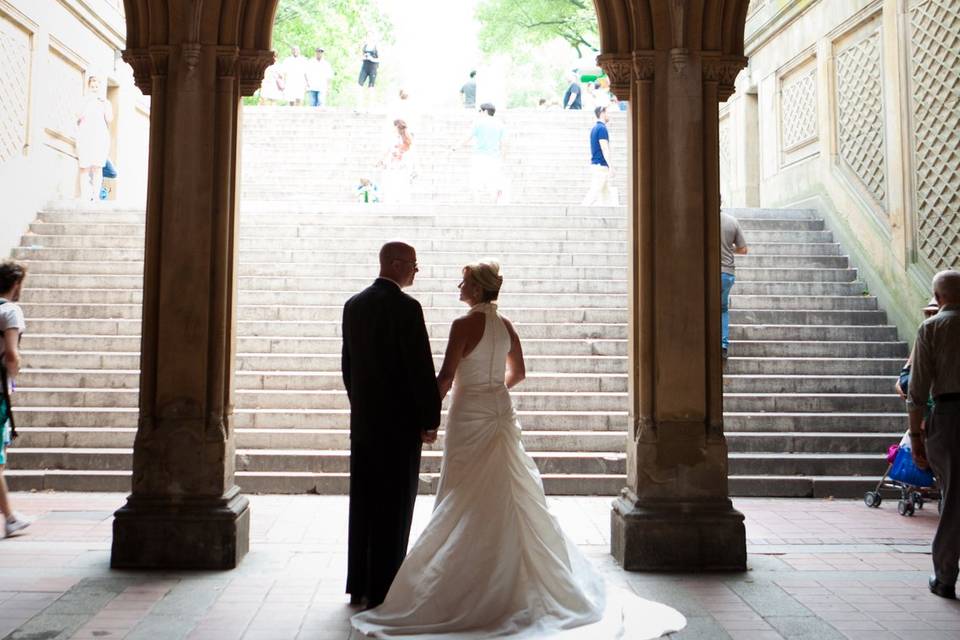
(388, 367)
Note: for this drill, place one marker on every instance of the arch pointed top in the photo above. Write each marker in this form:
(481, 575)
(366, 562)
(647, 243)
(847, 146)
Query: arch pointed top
(696, 25)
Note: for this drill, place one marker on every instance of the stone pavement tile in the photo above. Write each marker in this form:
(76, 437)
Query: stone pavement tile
(804, 628)
(872, 635)
(161, 628)
(50, 626)
(669, 593)
(698, 628)
(925, 635)
(753, 634)
(767, 599)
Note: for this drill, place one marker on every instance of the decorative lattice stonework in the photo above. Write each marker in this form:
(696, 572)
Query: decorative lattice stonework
(860, 113)
(726, 161)
(64, 94)
(14, 87)
(798, 109)
(935, 74)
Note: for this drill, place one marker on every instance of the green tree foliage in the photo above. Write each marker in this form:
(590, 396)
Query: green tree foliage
(338, 26)
(514, 26)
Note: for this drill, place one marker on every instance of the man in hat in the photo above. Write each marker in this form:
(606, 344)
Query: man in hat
(318, 73)
(936, 436)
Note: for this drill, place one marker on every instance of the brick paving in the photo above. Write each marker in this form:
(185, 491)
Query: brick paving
(818, 570)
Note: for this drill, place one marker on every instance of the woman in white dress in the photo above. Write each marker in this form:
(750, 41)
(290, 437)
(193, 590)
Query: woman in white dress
(93, 140)
(493, 561)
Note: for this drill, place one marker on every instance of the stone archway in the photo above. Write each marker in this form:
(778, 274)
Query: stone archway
(674, 59)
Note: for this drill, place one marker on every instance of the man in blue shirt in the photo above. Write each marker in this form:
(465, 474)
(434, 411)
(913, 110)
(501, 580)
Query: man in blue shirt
(572, 97)
(600, 193)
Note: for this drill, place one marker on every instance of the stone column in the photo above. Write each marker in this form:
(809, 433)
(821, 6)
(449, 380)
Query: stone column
(675, 513)
(745, 143)
(185, 510)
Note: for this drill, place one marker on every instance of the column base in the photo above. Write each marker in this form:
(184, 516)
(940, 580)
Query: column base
(169, 532)
(693, 535)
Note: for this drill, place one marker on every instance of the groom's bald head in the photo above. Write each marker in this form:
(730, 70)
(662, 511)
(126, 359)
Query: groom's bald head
(398, 262)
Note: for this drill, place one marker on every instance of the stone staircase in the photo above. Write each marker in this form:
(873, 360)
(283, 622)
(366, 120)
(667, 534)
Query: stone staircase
(809, 403)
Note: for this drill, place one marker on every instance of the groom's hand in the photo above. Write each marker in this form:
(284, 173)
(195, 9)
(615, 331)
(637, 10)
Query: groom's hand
(428, 437)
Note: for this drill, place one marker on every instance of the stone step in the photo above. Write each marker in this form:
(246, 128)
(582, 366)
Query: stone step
(332, 328)
(309, 399)
(548, 381)
(809, 464)
(300, 362)
(315, 346)
(814, 366)
(812, 402)
(559, 441)
(524, 400)
(298, 460)
(508, 299)
(126, 417)
(767, 383)
(272, 211)
(557, 256)
(549, 462)
(811, 443)
(815, 349)
(78, 234)
(267, 439)
(805, 422)
(265, 283)
(440, 330)
(365, 272)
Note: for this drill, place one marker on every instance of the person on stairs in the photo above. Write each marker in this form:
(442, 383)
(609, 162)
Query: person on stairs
(11, 327)
(935, 371)
(601, 191)
(93, 140)
(732, 243)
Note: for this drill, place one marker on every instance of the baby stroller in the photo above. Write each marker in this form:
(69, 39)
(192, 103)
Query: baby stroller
(916, 485)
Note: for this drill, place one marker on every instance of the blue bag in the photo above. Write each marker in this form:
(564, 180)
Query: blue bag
(904, 470)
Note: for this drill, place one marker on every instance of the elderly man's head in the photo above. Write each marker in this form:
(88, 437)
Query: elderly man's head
(946, 287)
(398, 261)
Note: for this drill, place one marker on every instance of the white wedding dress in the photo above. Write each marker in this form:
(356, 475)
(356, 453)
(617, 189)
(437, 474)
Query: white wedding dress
(493, 561)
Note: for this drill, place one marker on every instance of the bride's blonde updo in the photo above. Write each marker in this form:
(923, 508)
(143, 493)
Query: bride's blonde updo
(486, 273)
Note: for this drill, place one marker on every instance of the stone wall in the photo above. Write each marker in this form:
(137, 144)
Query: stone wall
(852, 108)
(47, 49)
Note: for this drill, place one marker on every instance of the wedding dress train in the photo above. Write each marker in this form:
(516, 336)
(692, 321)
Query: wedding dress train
(493, 561)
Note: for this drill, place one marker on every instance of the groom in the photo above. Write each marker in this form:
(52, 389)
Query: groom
(394, 408)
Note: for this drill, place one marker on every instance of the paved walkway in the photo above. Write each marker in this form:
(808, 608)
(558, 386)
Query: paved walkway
(819, 570)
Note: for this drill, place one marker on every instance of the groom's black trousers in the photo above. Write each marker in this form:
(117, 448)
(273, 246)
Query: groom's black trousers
(383, 488)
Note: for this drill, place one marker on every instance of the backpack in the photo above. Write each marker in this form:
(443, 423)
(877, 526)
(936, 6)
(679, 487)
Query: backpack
(6, 406)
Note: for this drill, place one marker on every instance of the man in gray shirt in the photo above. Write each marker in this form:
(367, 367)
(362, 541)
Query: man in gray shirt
(731, 242)
(936, 372)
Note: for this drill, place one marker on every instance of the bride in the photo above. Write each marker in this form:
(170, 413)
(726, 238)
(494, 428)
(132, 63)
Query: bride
(493, 561)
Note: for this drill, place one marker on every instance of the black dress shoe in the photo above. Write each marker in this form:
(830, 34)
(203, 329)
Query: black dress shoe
(938, 588)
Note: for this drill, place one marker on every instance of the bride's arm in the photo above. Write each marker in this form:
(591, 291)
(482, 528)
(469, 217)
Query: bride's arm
(516, 368)
(452, 357)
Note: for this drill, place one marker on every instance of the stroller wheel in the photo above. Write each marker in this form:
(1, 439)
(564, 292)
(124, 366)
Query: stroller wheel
(917, 500)
(905, 508)
(872, 499)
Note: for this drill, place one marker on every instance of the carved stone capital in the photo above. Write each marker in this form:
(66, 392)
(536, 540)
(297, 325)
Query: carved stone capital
(644, 65)
(190, 54)
(147, 63)
(619, 67)
(253, 62)
(723, 70)
(139, 60)
(227, 58)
